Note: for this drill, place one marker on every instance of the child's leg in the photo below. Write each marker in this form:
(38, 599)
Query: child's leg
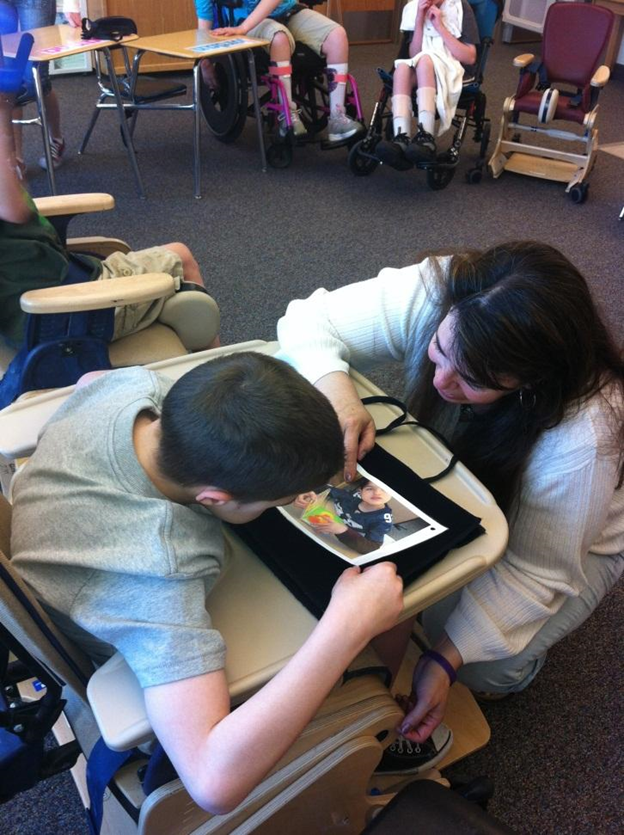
(279, 54)
(336, 51)
(404, 81)
(425, 78)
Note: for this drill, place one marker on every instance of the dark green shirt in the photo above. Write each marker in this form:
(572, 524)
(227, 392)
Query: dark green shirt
(31, 256)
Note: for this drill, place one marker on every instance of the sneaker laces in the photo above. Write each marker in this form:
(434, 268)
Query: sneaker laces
(404, 746)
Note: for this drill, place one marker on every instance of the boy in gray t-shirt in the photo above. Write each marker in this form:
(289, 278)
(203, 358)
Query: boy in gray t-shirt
(116, 526)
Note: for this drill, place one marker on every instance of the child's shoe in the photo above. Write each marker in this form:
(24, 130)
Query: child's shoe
(394, 153)
(341, 127)
(422, 148)
(299, 129)
(405, 757)
(57, 151)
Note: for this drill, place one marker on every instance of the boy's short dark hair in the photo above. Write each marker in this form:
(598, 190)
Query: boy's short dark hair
(249, 424)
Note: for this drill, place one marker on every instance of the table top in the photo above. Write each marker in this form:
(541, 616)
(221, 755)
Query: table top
(56, 42)
(195, 44)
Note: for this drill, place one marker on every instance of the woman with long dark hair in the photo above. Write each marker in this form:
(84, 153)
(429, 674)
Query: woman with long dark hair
(504, 353)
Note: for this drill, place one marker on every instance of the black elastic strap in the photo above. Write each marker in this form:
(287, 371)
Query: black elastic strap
(401, 421)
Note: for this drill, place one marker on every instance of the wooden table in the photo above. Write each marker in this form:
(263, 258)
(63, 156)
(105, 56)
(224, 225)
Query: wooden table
(52, 42)
(195, 44)
(615, 41)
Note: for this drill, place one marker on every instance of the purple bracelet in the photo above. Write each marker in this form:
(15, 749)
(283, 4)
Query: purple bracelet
(441, 660)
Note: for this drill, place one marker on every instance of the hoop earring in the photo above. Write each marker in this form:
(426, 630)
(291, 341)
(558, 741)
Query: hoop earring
(527, 399)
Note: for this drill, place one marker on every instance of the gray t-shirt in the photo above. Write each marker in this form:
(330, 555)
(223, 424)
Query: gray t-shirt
(104, 550)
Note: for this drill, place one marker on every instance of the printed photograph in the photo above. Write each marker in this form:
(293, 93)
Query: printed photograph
(362, 520)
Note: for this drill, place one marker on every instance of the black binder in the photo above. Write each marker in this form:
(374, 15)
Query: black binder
(309, 571)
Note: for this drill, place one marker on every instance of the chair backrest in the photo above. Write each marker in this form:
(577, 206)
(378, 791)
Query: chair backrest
(25, 619)
(575, 38)
(9, 21)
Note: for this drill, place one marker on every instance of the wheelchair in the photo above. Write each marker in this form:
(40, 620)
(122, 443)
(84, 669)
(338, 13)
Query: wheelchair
(575, 37)
(470, 113)
(226, 108)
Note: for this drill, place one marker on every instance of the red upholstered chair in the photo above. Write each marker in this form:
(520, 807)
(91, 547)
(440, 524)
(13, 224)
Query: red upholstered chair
(562, 85)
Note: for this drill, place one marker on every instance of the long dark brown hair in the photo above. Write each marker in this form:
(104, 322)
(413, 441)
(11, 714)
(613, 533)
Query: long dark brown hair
(520, 310)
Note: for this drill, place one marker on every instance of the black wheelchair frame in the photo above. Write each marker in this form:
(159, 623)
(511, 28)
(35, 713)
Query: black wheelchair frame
(470, 113)
(226, 108)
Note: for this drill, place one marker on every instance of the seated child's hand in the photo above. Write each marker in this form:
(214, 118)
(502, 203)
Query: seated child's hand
(229, 31)
(322, 524)
(304, 499)
(435, 16)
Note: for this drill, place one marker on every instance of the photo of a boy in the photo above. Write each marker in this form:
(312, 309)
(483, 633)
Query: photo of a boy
(365, 515)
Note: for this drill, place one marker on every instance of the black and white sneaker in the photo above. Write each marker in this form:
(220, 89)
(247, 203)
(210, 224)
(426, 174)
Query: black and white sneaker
(422, 148)
(393, 153)
(405, 757)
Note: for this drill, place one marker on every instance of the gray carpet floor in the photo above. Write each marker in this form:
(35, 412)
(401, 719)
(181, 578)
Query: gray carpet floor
(262, 239)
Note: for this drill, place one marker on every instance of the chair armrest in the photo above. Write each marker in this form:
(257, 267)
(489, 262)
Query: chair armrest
(116, 699)
(97, 245)
(96, 295)
(74, 204)
(601, 76)
(523, 60)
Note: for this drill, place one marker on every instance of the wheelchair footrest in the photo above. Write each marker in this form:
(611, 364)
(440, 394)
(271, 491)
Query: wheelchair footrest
(542, 167)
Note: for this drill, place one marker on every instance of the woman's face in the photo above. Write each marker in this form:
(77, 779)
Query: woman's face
(448, 382)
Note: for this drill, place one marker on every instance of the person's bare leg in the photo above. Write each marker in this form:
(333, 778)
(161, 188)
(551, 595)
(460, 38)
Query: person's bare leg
(189, 264)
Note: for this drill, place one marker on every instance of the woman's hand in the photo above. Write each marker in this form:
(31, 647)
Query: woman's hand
(358, 427)
(430, 688)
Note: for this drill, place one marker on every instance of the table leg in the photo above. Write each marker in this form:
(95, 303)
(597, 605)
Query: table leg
(43, 118)
(256, 100)
(196, 133)
(123, 122)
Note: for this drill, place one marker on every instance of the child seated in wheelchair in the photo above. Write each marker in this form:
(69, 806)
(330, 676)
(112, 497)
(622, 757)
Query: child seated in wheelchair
(282, 22)
(441, 49)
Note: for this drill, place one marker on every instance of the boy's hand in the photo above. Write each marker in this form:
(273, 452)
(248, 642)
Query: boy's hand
(328, 527)
(229, 31)
(305, 499)
(435, 16)
(423, 7)
(368, 601)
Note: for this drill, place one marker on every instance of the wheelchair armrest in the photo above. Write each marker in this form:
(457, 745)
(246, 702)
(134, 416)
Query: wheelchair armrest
(116, 699)
(521, 61)
(74, 204)
(601, 76)
(97, 245)
(97, 295)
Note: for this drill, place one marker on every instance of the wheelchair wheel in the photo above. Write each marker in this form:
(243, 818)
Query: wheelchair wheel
(439, 178)
(360, 160)
(475, 175)
(279, 154)
(225, 109)
(578, 193)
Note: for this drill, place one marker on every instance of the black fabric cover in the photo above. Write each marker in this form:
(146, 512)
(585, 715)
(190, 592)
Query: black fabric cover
(427, 808)
(309, 571)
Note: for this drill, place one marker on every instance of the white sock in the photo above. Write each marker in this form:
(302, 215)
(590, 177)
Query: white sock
(401, 114)
(338, 87)
(286, 79)
(425, 98)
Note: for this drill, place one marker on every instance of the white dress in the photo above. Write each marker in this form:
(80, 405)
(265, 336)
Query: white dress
(449, 72)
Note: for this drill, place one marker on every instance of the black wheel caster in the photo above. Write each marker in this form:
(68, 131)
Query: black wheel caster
(578, 193)
(360, 161)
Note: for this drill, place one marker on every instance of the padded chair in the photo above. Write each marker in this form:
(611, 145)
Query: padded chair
(562, 85)
(70, 327)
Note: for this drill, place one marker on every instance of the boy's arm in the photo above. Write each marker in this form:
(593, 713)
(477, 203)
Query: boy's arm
(13, 205)
(210, 747)
(464, 53)
(260, 13)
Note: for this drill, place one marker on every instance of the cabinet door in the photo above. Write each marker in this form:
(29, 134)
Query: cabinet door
(157, 17)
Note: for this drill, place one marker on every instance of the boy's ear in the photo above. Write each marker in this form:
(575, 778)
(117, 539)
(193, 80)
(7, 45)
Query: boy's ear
(213, 496)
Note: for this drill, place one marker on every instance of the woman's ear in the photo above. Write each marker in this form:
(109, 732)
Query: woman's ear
(213, 496)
